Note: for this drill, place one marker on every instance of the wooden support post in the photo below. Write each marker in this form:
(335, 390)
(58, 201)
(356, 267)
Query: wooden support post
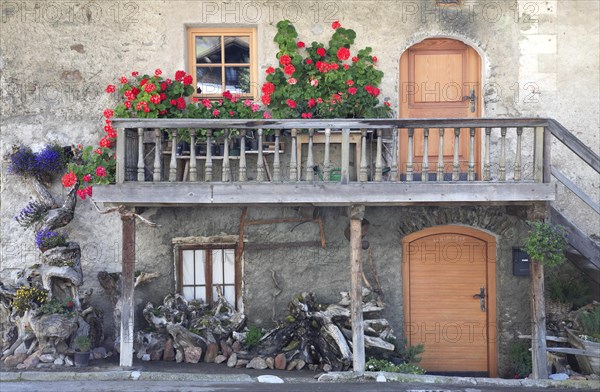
(538, 322)
(127, 277)
(357, 213)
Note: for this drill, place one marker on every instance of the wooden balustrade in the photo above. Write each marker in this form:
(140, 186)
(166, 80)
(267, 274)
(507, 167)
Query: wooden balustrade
(494, 150)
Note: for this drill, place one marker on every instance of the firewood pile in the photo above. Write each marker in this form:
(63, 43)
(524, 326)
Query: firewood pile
(314, 335)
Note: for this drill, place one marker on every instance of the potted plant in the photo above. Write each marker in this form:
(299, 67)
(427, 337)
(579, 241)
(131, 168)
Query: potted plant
(82, 344)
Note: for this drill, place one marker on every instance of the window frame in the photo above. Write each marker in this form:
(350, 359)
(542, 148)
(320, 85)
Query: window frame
(208, 268)
(193, 32)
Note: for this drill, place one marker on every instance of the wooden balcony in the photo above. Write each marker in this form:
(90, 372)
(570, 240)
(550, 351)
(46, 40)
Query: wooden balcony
(335, 162)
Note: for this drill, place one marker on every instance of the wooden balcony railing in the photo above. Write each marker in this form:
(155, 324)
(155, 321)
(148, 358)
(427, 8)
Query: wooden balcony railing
(501, 150)
(510, 155)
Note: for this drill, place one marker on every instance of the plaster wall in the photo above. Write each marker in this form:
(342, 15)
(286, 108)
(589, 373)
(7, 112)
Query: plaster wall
(540, 58)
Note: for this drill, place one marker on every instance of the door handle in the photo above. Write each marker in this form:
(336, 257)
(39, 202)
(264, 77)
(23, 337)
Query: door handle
(481, 297)
(471, 99)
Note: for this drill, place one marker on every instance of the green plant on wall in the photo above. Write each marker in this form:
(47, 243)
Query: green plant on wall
(546, 243)
(520, 359)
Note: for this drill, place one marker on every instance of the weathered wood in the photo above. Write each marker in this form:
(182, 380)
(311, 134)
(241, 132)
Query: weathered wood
(358, 339)
(193, 163)
(334, 123)
(471, 170)
(384, 193)
(156, 176)
(363, 176)
(502, 163)
(120, 152)
(346, 156)
(425, 163)
(378, 158)
(140, 161)
(173, 163)
(577, 238)
(226, 168)
(282, 245)
(455, 162)
(538, 154)
(293, 157)
(546, 171)
(326, 157)
(243, 174)
(538, 318)
(574, 351)
(575, 189)
(276, 159)
(127, 276)
(310, 160)
(260, 163)
(549, 338)
(394, 169)
(208, 165)
(570, 141)
(486, 159)
(518, 155)
(411, 147)
(440, 162)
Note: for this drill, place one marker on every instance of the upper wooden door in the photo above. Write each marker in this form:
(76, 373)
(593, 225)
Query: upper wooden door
(439, 78)
(449, 288)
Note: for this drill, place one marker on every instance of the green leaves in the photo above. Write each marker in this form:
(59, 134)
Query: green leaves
(546, 243)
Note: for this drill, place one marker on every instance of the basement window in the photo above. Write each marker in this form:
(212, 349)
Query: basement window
(205, 270)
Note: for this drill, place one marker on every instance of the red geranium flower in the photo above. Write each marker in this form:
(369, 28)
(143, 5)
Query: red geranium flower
(155, 99)
(149, 87)
(87, 178)
(343, 54)
(108, 113)
(266, 99)
(179, 75)
(100, 171)
(374, 58)
(181, 103)
(300, 44)
(291, 103)
(123, 80)
(187, 80)
(110, 88)
(105, 142)
(268, 88)
(216, 112)
(227, 95)
(354, 59)
(306, 115)
(69, 179)
(285, 60)
(336, 25)
(158, 72)
(309, 61)
(135, 73)
(311, 102)
(321, 52)
(352, 90)
(270, 70)
(289, 69)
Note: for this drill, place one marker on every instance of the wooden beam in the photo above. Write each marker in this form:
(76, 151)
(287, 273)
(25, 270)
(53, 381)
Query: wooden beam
(559, 339)
(574, 144)
(577, 238)
(282, 245)
(538, 322)
(383, 193)
(330, 123)
(575, 189)
(575, 351)
(127, 277)
(357, 213)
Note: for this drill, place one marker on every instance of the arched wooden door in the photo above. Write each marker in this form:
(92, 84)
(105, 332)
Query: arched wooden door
(439, 78)
(449, 288)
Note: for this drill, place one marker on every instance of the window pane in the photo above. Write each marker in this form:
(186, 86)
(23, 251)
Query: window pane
(237, 80)
(209, 80)
(230, 294)
(208, 50)
(201, 293)
(200, 266)
(217, 266)
(188, 267)
(237, 49)
(188, 293)
(229, 277)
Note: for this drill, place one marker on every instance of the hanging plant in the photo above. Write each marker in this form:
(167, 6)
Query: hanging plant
(546, 243)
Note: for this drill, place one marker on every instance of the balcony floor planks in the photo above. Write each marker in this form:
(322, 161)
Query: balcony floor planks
(176, 194)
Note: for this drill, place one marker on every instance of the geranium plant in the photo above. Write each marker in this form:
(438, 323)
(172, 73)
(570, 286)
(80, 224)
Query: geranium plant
(140, 96)
(323, 81)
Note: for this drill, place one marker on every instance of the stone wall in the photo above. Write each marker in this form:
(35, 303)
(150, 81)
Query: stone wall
(326, 271)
